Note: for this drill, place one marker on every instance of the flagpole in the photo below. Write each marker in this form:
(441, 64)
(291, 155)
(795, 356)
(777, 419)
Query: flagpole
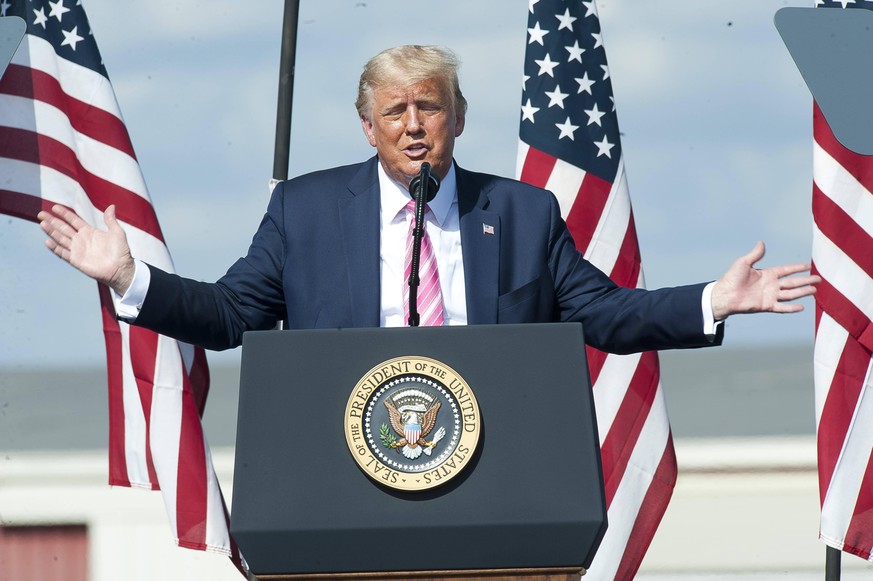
(287, 58)
(832, 564)
(281, 153)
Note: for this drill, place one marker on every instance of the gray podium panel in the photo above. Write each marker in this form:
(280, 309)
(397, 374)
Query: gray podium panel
(831, 48)
(532, 495)
(11, 32)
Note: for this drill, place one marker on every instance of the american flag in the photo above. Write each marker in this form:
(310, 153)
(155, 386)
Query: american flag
(842, 252)
(569, 144)
(63, 141)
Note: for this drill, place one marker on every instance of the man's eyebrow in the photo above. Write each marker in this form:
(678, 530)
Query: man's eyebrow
(392, 107)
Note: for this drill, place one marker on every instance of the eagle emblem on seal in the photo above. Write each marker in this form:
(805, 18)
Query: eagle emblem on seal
(413, 416)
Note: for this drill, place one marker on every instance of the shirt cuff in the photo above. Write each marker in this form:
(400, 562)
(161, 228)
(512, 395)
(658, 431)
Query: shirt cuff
(127, 306)
(710, 325)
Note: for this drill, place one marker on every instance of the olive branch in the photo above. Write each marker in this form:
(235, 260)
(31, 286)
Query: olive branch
(387, 437)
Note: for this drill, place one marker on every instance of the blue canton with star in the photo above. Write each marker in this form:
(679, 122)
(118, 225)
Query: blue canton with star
(567, 109)
(62, 23)
(844, 4)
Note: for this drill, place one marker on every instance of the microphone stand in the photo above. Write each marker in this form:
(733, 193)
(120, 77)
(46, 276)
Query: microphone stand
(424, 185)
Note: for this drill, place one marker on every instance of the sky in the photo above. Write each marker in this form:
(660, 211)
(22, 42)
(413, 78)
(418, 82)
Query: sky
(715, 122)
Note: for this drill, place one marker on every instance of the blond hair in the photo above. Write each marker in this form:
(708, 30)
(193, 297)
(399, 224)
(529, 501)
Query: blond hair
(408, 65)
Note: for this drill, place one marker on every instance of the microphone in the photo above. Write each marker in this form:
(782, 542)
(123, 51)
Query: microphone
(424, 177)
(423, 188)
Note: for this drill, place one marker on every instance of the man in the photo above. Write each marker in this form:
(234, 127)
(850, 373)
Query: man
(330, 251)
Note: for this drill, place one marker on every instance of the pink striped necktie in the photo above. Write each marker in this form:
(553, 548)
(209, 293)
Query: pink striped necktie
(430, 298)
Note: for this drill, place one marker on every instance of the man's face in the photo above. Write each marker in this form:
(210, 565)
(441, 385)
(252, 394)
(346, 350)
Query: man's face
(412, 124)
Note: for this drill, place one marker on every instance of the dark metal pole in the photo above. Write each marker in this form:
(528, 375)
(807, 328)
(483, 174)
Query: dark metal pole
(832, 564)
(288, 56)
(286, 90)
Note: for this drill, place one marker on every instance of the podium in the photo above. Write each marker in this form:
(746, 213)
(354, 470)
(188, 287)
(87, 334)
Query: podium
(329, 483)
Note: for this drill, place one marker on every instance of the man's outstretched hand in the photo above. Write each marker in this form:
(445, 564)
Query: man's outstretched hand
(745, 289)
(104, 255)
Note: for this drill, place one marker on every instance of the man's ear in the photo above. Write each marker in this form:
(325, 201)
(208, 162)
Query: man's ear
(367, 125)
(459, 125)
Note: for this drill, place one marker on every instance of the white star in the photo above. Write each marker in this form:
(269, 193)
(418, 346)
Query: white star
(611, 98)
(575, 52)
(531, 5)
(598, 39)
(604, 147)
(72, 37)
(536, 34)
(594, 115)
(4, 6)
(556, 97)
(846, 2)
(40, 17)
(566, 20)
(567, 129)
(605, 71)
(58, 9)
(590, 9)
(547, 65)
(524, 79)
(584, 84)
(527, 111)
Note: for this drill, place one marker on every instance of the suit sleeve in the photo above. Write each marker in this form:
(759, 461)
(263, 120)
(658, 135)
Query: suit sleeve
(215, 315)
(617, 319)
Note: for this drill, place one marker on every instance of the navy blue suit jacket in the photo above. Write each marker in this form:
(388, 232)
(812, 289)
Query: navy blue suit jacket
(314, 261)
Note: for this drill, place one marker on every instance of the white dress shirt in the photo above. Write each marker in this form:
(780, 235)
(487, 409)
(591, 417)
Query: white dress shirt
(443, 227)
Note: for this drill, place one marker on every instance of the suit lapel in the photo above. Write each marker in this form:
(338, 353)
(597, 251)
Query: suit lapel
(359, 220)
(480, 244)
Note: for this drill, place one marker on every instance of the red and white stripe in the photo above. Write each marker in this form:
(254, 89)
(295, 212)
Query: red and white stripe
(63, 141)
(639, 464)
(842, 253)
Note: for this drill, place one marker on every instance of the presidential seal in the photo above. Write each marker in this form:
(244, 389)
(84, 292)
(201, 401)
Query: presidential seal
(412, 423)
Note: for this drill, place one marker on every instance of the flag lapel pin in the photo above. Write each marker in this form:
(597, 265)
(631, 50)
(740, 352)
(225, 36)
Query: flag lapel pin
(487, 229)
